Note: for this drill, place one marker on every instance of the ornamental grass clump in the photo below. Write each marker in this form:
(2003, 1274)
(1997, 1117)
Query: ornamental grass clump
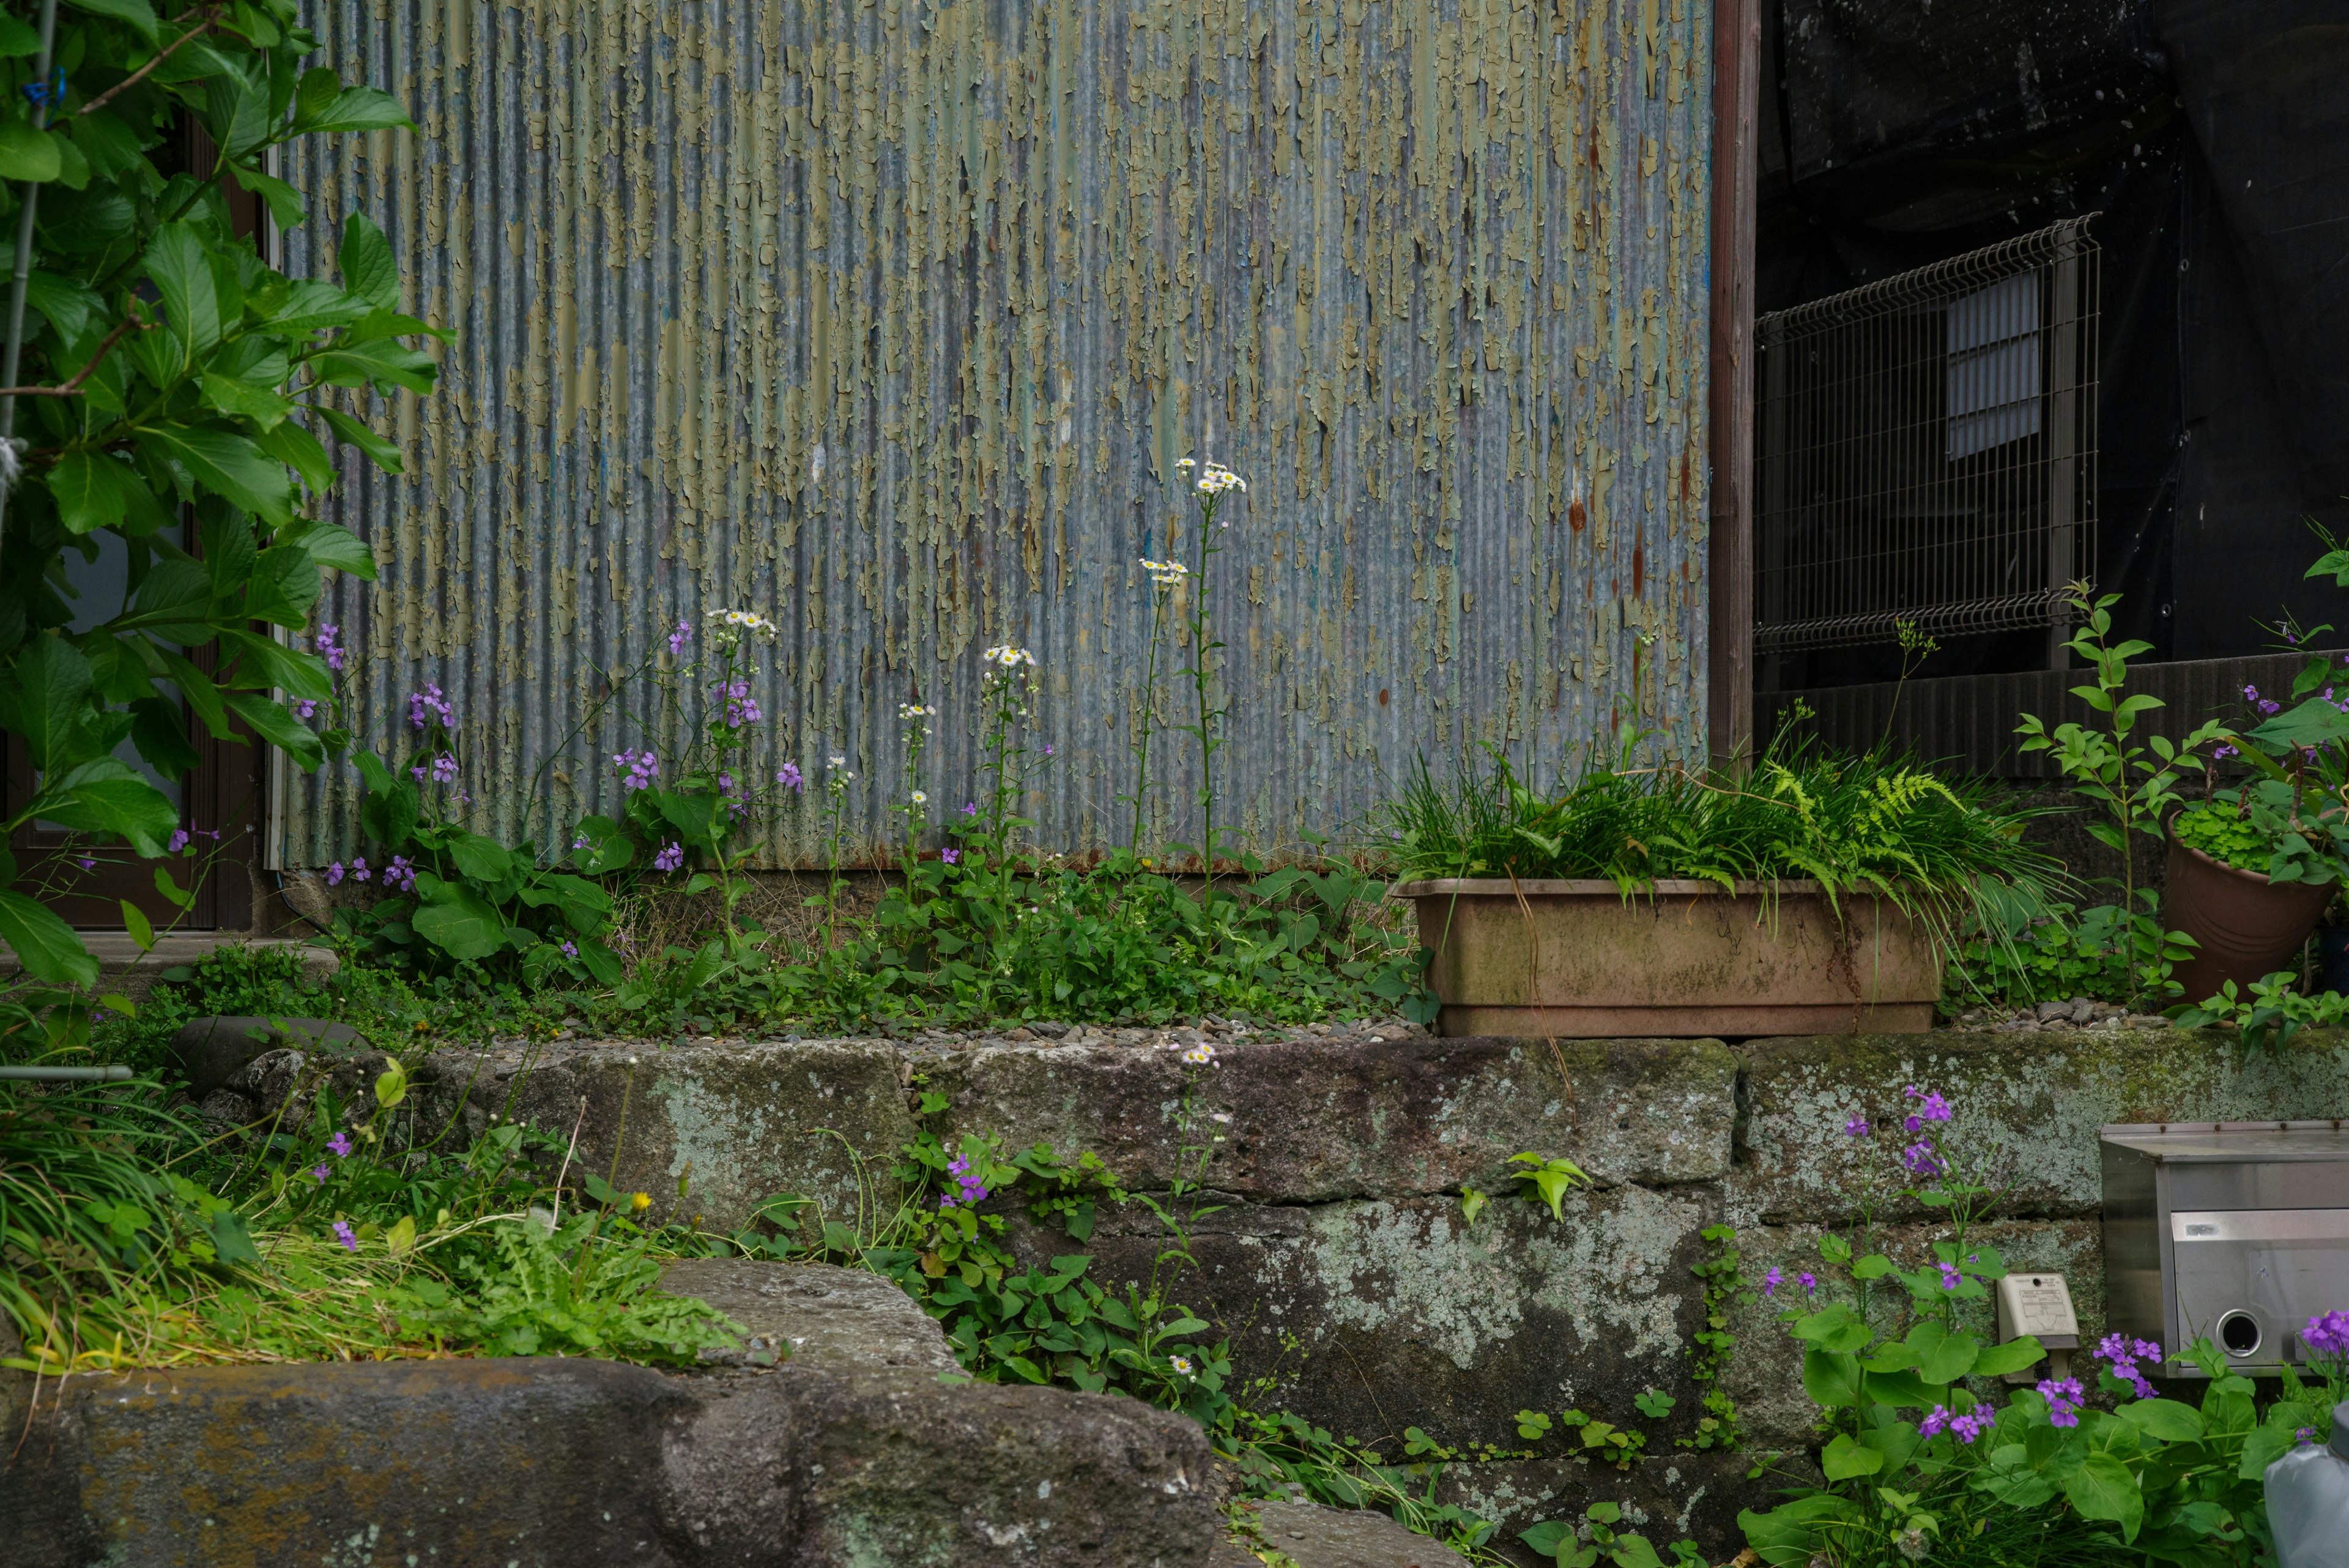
(1868, 823)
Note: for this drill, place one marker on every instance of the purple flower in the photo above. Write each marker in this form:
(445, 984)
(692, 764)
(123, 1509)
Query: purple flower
(318, 1174)
(2327, 1334)
(2221, 753)
(1856, 1127)
(1048, 748)
(790, 777)
(968, 1179)
(85, 863)
(2270, 706)
(2304, 1435)
(335, 874)
(679, 638)
(638, 768)
(741, 708)
(444, 769)
(1809, 1280)
(1951, 1276)
(429, 707)
(1771, 1282)
(670, 859)
(179, 839)
(2063, 1399)
(569, 951)
(1970, 1425)
(306, 707)
(1935, 1424)
(971, 808)
(328, 648)
(950, 856)
(359, 868)
(400, 875)
(344, 1234)
(1920, 1162)
(2251, 692)
(2124, 1354)
(341, 1144)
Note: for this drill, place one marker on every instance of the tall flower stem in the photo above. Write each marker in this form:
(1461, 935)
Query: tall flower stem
(1165, 576)
(1209, 487)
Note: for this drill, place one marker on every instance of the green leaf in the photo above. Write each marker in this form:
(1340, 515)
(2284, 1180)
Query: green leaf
(337, 548)
(318, 88)
(286, 207)
(159, 730)
(1903, 1388)
(2012, 1356)
(284, 585)
(1950, 1359)
(203, 696)
(108, 798)
(380, 451)
(233, 395)
(141, 930)
(483, 859)
(365, 258)
(2166, 1419)
(601, 962)
(175, 603)
(264, 663)
(1831, 1378)
(456, 921)
(273, 723)
(1844, 1459)
(67, 301)
(360, 109)
(2102, 1488)
(50, 701)
(94, 490)
(300, 451)
(182, 276)
(137, 14)
(382, 364)
(226, 462)
(232, 1243)
(27, 153)
(17, 39)
(43, 943)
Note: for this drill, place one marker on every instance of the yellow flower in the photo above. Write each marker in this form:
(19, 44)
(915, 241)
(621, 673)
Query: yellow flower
(641, 1201)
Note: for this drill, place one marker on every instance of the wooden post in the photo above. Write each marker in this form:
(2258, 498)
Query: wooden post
(1736, 92)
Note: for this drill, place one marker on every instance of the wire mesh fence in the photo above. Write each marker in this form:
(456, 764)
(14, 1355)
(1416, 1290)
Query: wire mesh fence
(1926, 450)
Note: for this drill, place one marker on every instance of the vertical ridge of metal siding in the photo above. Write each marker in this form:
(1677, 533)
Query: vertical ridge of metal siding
(887, 321)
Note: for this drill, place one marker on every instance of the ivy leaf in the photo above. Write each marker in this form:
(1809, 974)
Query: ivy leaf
(43, 943)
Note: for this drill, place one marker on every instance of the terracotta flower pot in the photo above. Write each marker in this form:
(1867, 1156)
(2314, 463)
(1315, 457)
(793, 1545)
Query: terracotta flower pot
(2244, 925)
(1574, 959)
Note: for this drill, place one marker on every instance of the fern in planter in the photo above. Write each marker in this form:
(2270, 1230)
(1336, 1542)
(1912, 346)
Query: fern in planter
(1868, 823)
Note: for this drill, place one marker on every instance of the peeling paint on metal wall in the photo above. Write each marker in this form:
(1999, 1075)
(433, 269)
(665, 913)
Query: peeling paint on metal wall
(888, 320)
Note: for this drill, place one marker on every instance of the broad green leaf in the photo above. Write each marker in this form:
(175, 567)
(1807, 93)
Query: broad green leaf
(1830, 1378)
(108, 798)
(1950, 1359)
(263, 664)
(366, 261)
(137, 14)
(1904, 1388)
(2012, 1357)
(311, 304)
(43, 943)
(48, 699)
(17, 39)
(483, 859)
(95, 490)
(1844, 1459)
(273, 723)
(236, 112)
(27, 153)
(318, 88)
(601, 962)
(1633, 1552)
(203, 696)
(226, 464)
(300, 451)
(284, 586)
(337, 548)
(380, 451)
(232, 395)
(2102, 1488)
(458, 922)
(286, 207)
(175, 603)
(141, 929)
(182, 276)
(382, 364)
(159, 730)
(67, 301)
(80, 222)
(361, 108)
(109, 143)
(232, 1243)
(2166, 1419)
(73, 169)
(400, 1239)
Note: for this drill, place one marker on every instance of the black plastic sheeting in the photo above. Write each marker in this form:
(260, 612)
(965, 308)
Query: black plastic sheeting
(2213, 137)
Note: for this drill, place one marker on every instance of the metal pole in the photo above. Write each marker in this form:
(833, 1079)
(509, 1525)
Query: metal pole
(27, 200)
(114, 1074)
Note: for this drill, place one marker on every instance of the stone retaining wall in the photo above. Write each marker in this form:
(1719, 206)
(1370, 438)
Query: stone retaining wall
(1343, 1261)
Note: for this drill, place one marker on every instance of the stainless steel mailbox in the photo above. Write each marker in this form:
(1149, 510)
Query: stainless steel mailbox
(2238, 1231)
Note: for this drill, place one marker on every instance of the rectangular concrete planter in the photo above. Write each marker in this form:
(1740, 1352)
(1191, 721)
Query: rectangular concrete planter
(1576, 958)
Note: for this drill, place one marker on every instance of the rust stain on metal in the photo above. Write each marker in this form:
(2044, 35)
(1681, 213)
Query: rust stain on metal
(890, 321)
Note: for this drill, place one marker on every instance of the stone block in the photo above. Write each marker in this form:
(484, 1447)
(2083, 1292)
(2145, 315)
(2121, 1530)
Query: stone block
(830, 1317)
(1312, 1536)
(735, 1123)
(209, 1050)
(1373, 1316)
(1311, 1123)
(1763, 1375)
(2028, 1107)
(1670, 1496)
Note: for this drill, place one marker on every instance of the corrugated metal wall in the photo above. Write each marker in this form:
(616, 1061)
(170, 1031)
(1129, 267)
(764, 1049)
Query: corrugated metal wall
(888, 320)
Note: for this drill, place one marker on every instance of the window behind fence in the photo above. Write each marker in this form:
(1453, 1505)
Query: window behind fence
(1926, 451)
